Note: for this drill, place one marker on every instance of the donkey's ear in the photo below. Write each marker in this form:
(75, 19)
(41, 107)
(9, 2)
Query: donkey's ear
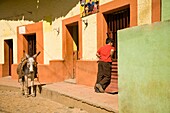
(27, 55)
(34, 56)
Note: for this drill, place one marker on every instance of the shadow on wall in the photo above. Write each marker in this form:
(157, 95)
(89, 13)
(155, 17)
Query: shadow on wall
(35, 10)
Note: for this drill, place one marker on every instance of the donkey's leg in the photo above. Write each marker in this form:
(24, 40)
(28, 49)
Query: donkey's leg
(26, 85)
(22, 85)
(32, 85)
(32, 88)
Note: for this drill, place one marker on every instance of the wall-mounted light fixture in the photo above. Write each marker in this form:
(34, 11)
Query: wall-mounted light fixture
(85, 22)
(57, 29)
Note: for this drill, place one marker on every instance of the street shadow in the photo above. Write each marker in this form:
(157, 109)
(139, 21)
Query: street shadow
(40, 87)
(113, 93)
(36, 88)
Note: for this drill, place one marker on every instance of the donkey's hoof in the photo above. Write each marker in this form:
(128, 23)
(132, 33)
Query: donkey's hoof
(33, 94)
(22, 93)
(26, 95)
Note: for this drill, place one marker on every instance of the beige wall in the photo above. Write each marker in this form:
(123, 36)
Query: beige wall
(144, 12)
(105, 1)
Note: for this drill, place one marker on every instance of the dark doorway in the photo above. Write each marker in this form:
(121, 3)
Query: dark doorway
(116, 20)
(8, 57)
(31, 39)
(72, 48)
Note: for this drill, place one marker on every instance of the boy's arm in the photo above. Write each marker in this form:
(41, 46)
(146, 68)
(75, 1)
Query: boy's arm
(112, 53)
(97, 54)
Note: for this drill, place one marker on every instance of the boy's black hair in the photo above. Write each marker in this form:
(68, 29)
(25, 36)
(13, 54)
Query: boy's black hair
(108, 40)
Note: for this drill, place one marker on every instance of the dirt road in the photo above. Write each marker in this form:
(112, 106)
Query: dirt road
(12, 101)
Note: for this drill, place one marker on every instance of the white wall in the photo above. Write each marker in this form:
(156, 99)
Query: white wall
(89, 38)
(53, 39)
(52, 45)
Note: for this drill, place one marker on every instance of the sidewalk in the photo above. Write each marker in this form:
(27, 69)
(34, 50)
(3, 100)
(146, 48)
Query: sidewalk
(73, 95)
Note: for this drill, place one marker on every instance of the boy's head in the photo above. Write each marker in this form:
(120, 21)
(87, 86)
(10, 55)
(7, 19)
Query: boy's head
(109, 40)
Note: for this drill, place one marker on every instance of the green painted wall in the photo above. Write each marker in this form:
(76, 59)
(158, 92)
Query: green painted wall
(144, 69)
(165, 10)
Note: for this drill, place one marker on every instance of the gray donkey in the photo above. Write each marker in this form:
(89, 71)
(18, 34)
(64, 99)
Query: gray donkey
(27, 69)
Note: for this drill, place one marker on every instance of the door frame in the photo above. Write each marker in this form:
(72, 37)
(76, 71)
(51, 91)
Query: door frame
(117, 20)
(110, 7)
(31, 43)
(8, 57)
(75, 20)
(35, 28)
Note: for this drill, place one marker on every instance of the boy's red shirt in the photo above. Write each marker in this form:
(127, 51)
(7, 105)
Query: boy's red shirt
(104, 53)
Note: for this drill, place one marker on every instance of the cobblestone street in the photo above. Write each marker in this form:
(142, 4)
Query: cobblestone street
(12, 101)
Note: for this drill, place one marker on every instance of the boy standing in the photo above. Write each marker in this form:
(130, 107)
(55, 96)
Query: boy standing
(105, 55)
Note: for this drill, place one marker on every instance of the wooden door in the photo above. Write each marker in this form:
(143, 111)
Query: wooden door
(72, 49)
(116, 21)
(8, 51)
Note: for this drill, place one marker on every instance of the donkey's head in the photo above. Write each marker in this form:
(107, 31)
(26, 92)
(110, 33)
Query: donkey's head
(31, 61)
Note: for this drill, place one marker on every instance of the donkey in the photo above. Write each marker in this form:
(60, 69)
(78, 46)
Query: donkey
(27, 69)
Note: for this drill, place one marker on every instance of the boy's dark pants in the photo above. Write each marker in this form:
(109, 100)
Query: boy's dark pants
(104, 74)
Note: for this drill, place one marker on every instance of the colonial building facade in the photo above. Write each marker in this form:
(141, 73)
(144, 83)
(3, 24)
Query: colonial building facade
(67, 40)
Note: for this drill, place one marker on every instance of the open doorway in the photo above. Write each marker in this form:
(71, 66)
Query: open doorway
(72, 49)
(116, 20)
(30, 44)
(8, 56)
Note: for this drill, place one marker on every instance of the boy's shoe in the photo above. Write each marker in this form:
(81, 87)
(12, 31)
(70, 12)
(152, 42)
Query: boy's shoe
(99, 87)
(96, 90)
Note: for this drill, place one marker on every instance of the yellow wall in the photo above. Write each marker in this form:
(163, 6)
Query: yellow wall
(52, 42)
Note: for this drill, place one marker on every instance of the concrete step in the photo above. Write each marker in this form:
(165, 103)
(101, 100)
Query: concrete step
(72, 81)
